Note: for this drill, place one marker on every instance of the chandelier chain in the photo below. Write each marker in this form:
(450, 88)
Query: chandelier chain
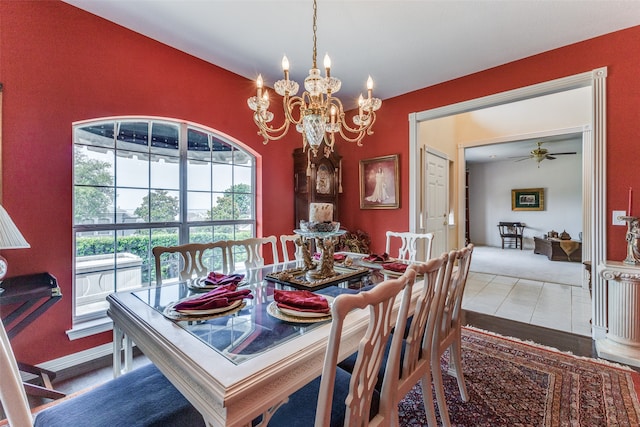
(315, 29)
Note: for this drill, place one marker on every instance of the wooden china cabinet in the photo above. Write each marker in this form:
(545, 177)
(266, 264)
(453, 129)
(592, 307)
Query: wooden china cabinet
(316, 180)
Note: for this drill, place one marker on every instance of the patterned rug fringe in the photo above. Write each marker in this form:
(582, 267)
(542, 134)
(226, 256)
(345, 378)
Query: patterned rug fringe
(552, 349)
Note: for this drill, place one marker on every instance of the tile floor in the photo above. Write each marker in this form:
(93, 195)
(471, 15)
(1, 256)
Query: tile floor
(556, 306)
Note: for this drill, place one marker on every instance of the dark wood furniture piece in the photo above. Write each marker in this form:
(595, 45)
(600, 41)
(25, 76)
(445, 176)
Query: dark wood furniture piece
(23, 300)
(558, 250)
(511, 233)
(316, 180)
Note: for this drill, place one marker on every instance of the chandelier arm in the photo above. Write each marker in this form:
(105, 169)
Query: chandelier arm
(289, 104)
(357, 139)
(372, 118)
(268, 132)
(343, 122)
(329, 140)
(310, 102)
(368, 119)
(359, 132)
(335, 102)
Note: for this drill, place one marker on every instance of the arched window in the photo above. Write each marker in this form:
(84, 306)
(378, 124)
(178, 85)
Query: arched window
(143, 182)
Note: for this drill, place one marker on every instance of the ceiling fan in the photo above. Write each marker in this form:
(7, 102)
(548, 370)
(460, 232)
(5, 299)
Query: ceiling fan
(539, 154)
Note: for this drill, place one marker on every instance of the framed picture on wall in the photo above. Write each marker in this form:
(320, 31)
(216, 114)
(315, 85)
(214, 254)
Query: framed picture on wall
(527, 199)
(379, 183)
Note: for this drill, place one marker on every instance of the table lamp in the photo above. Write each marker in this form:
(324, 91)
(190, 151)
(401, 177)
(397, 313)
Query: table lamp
(10, 238)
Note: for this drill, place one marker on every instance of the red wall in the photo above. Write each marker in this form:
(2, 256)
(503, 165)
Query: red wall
(59, 64)
(619, 51)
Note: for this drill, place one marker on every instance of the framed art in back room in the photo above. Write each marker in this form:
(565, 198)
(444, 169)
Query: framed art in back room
(379, 183)
(527, 199)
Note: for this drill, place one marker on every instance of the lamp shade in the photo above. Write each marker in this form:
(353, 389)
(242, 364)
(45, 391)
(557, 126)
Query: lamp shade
(10, 236)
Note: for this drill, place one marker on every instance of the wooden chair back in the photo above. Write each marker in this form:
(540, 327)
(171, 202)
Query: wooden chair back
(191, 259)
(287, 241)
(252, 249)
(448, 333)
(451, 317)
(412, 245)
(12, 394)
(380, 301)
(416, 363)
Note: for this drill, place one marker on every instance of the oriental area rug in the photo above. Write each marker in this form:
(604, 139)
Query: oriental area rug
(516, 383)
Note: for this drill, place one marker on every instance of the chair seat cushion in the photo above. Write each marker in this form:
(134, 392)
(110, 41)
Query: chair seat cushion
(142, 397)
(301, 408)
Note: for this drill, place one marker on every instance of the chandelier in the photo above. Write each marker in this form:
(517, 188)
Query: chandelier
(317, 114)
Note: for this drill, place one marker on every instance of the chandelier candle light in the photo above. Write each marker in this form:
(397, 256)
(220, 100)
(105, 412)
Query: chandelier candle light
(317, 114)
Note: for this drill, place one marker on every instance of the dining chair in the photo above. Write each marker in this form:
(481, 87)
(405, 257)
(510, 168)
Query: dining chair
(142, 397)
(411, 244)
(189, 259)
(251, 250)
(448, 333)
(415, 364)
(340, 398)
(285, 241)
(511, 233)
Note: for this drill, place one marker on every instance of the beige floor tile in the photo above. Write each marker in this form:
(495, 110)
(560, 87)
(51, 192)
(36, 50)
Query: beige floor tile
(481, 305)
(551, 305)
(518, 316)
(481, 276)
(504, 280)
(525, 293)
(520, 312)
(547, 304)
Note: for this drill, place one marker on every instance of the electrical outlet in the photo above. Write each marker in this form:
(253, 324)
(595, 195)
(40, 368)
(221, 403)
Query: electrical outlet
(615, 219)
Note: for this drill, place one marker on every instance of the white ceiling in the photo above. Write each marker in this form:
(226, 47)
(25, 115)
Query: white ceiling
(404, 45)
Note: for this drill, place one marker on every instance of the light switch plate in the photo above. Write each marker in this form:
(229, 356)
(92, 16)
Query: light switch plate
(616, 214)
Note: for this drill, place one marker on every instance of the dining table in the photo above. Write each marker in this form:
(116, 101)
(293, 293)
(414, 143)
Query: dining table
(240, 364)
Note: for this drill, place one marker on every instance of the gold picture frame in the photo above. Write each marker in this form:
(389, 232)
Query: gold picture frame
(379, 183)
(527, 199)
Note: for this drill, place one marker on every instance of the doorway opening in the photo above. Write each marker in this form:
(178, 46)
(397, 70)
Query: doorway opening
(594, 148)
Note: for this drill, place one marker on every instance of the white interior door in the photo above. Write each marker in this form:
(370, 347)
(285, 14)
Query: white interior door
(436, 197)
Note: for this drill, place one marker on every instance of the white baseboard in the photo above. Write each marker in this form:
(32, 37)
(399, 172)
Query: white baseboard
(78, 358)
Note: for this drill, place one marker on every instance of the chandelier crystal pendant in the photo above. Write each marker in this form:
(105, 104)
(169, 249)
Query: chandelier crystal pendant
(316, 114)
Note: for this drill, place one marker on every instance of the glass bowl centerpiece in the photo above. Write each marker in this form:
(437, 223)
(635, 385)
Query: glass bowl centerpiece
(319, 227)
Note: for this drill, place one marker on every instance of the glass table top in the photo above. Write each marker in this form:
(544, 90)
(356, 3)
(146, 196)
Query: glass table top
(253, 329)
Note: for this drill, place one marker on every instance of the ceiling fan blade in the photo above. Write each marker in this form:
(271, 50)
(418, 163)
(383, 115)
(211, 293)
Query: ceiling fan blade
(548, 157)
(523, 158)
(560, 154)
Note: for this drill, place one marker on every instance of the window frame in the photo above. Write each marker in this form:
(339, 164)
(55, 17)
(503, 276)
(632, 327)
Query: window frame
(183, 224)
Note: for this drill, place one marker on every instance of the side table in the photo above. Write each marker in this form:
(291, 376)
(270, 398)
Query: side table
(558, 250)
(28, 297)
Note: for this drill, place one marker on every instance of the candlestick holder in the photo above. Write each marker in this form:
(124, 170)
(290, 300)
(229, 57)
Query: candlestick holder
(325, 243)
(633, 239)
